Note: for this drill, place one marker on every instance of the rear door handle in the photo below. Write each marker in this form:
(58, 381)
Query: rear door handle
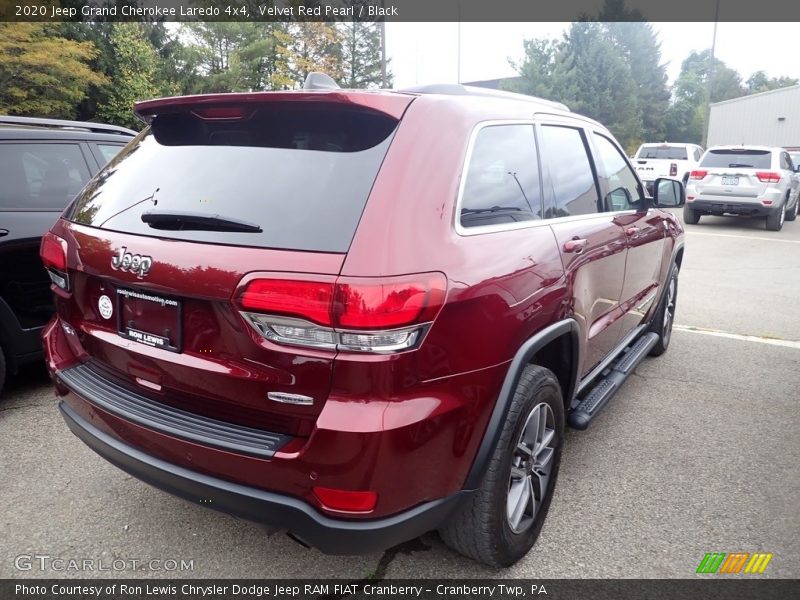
(3, 232)
(576, 245)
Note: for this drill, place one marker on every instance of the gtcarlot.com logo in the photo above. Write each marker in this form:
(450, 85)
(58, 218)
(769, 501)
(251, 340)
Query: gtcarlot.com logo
(734, 562)
(45, 562)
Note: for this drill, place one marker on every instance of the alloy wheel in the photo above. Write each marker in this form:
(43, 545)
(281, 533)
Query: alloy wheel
(669, 312)
(531, 465)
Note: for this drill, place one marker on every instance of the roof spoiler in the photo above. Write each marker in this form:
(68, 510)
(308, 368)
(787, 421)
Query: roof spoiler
(62, 124)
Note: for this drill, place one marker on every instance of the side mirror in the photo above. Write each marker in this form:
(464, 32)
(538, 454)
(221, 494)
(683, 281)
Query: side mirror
(668, 193)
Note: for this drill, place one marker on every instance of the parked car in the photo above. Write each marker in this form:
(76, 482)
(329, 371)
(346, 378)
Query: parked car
(666, 160)
(755, 181)
(359, 315)
(43, 164)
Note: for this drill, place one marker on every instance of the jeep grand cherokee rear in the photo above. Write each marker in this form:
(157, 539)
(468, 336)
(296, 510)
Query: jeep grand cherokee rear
(358, 316)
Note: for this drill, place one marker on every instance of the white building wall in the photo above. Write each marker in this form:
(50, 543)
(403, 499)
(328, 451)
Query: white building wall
(756, 119)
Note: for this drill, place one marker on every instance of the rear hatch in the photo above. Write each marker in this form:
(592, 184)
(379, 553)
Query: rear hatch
(661, 160)
(735, 172)
(217, 192)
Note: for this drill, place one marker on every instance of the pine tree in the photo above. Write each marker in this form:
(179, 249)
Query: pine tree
(361, 54)
(591, 77)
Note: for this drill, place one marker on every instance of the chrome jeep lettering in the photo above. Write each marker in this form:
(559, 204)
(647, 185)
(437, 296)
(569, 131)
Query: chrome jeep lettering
(135, 263)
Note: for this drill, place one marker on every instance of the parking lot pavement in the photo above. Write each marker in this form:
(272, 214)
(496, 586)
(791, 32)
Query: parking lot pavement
(697, 453)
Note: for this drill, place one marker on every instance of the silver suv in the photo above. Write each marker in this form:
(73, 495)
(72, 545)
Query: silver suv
(744, 180)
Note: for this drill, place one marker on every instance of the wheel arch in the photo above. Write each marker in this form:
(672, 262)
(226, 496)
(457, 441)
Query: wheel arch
(547, 348)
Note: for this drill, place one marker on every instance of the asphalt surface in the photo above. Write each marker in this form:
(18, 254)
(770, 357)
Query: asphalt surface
(698, 453)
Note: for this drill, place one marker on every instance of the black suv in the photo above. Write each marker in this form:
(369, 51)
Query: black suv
(44, 163)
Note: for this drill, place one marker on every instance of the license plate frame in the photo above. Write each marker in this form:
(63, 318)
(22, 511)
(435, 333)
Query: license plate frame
(731, 180)
(128, 329)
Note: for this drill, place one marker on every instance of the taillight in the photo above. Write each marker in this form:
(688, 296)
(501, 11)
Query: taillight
(53, 252)
(357, 314)
(768, 177)
(673, 169)
(306, 299)
(698, 174)
(365, 303)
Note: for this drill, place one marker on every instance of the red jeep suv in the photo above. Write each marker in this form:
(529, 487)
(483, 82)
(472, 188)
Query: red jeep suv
(358, 315)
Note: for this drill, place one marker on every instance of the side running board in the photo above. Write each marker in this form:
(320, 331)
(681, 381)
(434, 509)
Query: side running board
(606, 386)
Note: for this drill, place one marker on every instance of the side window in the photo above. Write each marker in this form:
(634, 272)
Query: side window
(502, 180)
(572, 190)
(786, 162)
(109, 151)
(698, 152)
(623, 188)
(40, 176)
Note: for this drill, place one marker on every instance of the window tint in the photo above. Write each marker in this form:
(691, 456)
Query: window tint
(786, 163)
(698, 152)
(299, 172)
(663, 152)
(623, 189)
(502, 181)
(109, 151)
(736, 157)
(40, 176)
(572, 189)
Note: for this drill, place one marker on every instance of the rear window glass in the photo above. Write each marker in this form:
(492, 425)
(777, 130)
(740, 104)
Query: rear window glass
(738, 158)
(109, 151)
(667, 153)
(298, 177)
(502, 183)
(40, 176)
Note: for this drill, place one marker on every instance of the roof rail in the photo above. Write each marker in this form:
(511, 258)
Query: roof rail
(62, 124)
(456, 89)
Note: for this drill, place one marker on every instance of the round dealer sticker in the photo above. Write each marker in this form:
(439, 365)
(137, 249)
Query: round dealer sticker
(106, 307)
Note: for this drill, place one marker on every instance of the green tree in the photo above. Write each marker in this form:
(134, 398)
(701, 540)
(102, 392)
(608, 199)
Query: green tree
(536, 69)
(759, 82)
(361, 52)
(686, 115)
(640, 48)
(591, 77)
(43, 73)
(135, 75)
(230, 56)
(590, 72)
(316, 46)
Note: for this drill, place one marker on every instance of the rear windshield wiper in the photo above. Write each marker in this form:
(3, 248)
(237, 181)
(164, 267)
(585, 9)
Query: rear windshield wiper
(740, 166)
(477, 211)
(190, 221)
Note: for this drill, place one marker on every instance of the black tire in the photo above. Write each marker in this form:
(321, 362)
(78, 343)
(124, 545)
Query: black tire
(775, 220)
(482, 529)
(662, 323)
(690, 216)
(2, 369)
(791, 214)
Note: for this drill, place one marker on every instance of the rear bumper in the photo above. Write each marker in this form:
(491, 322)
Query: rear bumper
(733, 206)
(333, 536)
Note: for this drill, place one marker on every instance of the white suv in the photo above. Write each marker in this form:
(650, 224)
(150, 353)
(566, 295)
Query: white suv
(753, 181)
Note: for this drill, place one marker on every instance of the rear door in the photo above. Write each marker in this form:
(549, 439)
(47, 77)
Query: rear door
(168, 237)
(592, 243)
(645, 230)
